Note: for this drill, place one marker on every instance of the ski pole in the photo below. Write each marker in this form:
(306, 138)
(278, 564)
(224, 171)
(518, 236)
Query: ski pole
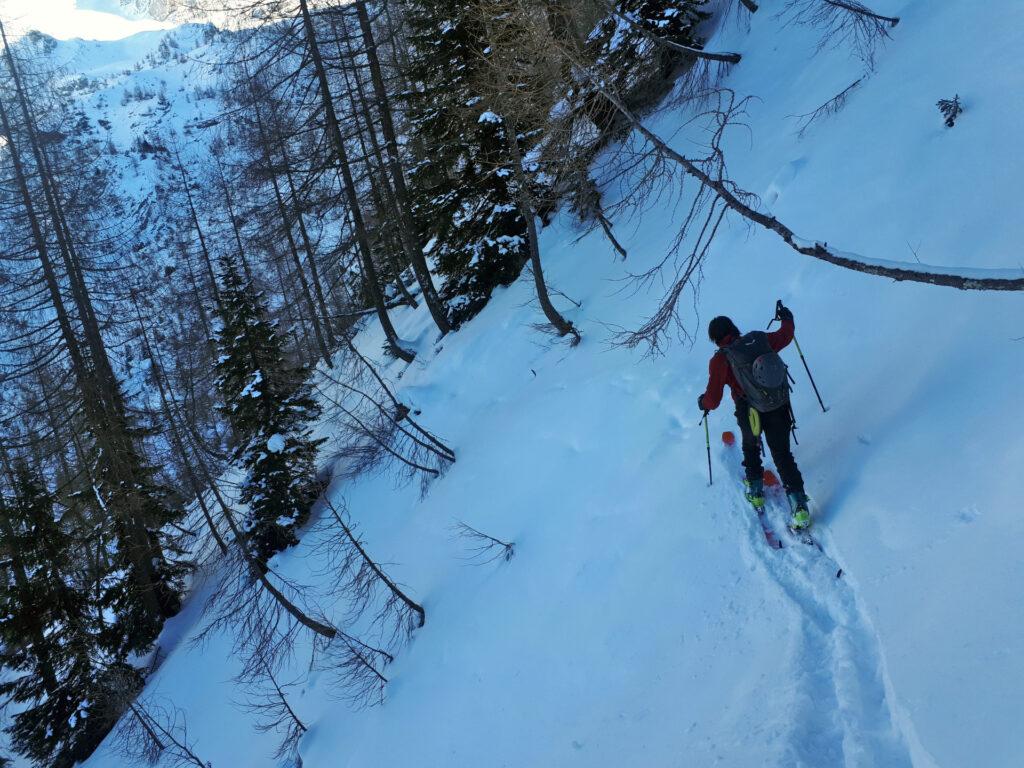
(778, 308)
(809, 376)
(707, 444)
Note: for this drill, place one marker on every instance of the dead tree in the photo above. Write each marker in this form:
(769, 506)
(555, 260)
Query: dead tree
(261, 610)
(177, 439)
(321, 328)
(842, 22)
(373, 438)
(155, 729)
(358, 667)
(267, 699)
(363, 582)
(587, 204)
(482, 547)
(714, 195)
(307, 244)
(716, 189)
(528, 210)
(382, 395)
(229, 205)
(829, 108)
(384, 199)
(97, 385)
(207, 260)
(381, 192)
(372, 434)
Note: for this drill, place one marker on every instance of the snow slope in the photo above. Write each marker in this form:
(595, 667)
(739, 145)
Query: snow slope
(643, 621)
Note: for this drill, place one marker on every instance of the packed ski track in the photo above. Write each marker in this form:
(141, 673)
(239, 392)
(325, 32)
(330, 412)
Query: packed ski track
(839, 710)
(644, 621)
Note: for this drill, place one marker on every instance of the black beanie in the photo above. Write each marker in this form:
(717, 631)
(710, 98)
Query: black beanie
(721, 327)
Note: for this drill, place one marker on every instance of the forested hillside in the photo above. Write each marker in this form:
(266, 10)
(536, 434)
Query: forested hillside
(348, 371)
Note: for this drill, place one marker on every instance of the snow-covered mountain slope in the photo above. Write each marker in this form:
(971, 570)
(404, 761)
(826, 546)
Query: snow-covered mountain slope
(643, 621)
(144, 96)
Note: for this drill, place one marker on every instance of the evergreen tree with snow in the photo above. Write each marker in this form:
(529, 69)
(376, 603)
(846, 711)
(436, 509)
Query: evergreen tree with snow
(139, 511)
(624, 48)
(628, 48)
(50, 636)
(270, 408)
(460, 183)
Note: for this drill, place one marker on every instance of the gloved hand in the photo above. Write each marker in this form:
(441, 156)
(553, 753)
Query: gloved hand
(782, 312)
(700, 402)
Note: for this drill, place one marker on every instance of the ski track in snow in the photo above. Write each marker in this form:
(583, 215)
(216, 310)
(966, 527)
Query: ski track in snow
(840, 711)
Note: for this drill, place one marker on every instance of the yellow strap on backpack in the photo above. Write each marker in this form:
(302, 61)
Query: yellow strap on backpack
(755, 421)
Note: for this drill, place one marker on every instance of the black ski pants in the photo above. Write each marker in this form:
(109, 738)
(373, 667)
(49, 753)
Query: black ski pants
(775, 426)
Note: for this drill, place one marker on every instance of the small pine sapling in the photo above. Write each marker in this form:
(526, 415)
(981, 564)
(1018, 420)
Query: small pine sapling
(951, 109)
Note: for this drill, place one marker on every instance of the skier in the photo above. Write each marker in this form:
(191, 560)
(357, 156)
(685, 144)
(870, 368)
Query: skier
(758, 380)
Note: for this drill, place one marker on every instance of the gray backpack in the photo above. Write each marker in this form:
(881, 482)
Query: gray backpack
(760, 371)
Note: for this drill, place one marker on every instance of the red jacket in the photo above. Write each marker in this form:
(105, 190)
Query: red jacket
(720, 372)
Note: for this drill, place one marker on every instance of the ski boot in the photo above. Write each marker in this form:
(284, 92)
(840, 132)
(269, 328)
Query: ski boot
(754, 492)
(801, 517)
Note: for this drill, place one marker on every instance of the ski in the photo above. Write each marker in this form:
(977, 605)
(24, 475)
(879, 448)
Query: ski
(804, 537)
(766, 527)
(769, 535)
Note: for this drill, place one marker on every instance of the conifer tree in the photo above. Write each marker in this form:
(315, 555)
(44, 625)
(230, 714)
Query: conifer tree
(269, 405)
(460, 184)
(50, 641)
(631, 48)
(137, 511)
(623, 39)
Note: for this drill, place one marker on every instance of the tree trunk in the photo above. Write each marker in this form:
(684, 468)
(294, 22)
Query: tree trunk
(301, 346)
(51, 420)
(92, 398)
(204, 319)
(411, 604)
(314, 276)
(144, 722)
(362, 239)
(176, 439)
(230, 205)
(199, 230)
(406, 225)
(257, 568)
(561, 325)
(378, 165)
(892, 21)
(76, 277)
(727, 58)
(299, 273)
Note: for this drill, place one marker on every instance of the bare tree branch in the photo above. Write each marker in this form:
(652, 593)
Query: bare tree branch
(483, 548)
(830, 107)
